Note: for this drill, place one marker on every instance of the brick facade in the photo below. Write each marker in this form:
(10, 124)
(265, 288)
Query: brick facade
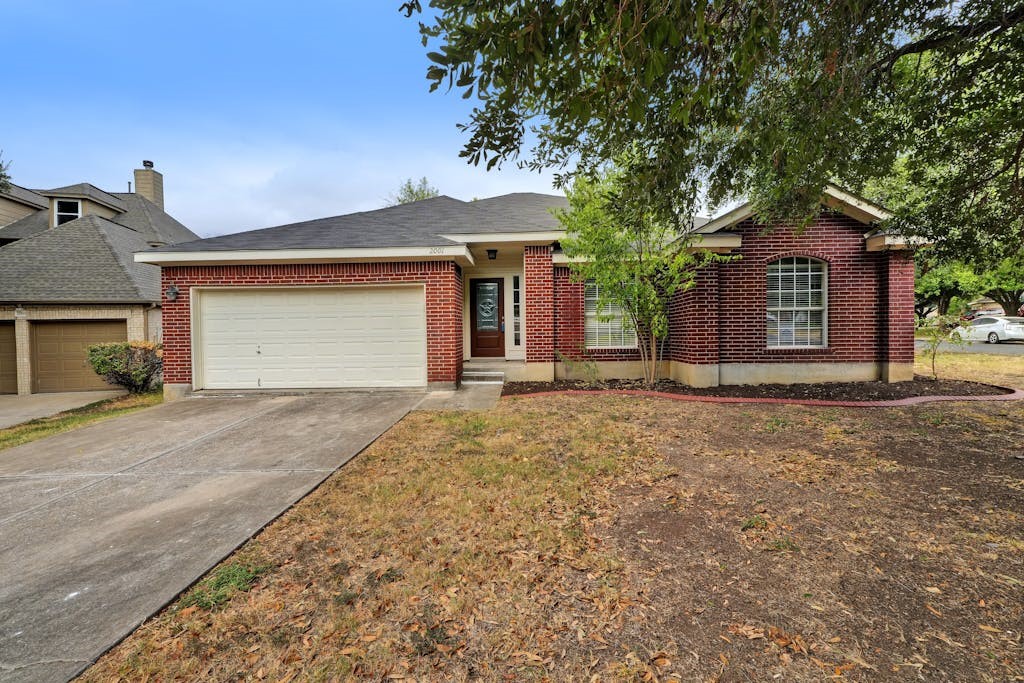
(569, 322)
(856, 285)
(717, 325)
(899, 331)
(694, 320)
(721, 318)
(539, 304)
(442, 280)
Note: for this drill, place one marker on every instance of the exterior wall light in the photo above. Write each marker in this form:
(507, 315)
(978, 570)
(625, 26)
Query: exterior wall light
(171, 293)
(492, 254)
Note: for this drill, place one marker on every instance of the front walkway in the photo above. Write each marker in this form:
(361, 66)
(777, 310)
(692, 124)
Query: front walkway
(17, 409)
(102, 526)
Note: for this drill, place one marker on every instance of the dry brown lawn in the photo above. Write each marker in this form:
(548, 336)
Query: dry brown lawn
(617, 538)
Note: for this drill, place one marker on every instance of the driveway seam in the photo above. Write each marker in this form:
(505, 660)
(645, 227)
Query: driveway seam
(162, 454)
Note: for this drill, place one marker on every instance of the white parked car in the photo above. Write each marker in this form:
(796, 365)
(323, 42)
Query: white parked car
(992, 329)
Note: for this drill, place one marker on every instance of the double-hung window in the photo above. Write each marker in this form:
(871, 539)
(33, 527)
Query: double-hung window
(608, 328)
(66, 210)
(797, 303)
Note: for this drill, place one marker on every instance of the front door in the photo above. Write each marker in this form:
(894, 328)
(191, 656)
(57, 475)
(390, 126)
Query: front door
(487, 318)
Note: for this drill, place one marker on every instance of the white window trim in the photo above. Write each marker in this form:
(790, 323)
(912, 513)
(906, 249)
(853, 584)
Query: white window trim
(587, 318)
(823, 308)
(58, 214)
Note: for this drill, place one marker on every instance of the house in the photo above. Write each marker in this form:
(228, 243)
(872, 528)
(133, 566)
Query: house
(405, 296)
(68, 278)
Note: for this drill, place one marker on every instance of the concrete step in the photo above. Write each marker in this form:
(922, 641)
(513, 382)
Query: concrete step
(483, 377)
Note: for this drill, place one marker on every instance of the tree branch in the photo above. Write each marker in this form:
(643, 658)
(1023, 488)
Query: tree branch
(951, 34)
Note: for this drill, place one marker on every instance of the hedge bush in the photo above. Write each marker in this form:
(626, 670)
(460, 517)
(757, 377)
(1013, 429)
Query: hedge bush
(133, 365)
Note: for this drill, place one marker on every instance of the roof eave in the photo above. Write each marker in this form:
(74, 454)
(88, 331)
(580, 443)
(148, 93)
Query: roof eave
(458, 253)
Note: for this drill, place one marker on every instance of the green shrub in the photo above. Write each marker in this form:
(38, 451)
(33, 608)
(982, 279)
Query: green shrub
(133, 365)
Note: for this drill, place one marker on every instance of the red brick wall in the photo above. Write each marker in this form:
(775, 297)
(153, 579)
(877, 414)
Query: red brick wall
(569, 320)
(899, 332)
(694, 320)
(538, 298)
(442, 280)
(857, 299)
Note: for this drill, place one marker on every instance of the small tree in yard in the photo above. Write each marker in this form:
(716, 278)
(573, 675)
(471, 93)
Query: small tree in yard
(133, 365)
(638, 260)
(935, 331)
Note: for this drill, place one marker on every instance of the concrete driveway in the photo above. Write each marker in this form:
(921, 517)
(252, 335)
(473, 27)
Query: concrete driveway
(17, 409)
(103, 525)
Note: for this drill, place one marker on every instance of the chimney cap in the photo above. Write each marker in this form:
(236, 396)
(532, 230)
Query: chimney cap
(146, 163)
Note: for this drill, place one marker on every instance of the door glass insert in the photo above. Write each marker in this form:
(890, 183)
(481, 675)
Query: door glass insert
(487, 306)
(516, 313)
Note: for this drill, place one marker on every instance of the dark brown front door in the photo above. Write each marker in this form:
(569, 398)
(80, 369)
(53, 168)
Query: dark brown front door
(487, 318)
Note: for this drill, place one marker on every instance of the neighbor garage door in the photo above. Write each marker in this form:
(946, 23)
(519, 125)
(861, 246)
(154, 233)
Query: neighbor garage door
(59, 360)
(311, 338)
(8, 367)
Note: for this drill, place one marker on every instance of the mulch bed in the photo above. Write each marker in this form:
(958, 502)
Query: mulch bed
(829, 391)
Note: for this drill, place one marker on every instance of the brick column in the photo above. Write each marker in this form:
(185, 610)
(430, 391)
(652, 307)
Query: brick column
(899, 358)
(444, 325)
(694, 332)
(539, 301)
(23, 351)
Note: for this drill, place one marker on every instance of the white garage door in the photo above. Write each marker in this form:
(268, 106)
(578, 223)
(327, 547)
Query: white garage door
(311, 338)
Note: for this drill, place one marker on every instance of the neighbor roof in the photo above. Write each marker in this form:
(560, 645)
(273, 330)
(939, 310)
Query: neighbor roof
(416, 224)
(26, 196)
(85, 190)
(87, 260)
(136, 212)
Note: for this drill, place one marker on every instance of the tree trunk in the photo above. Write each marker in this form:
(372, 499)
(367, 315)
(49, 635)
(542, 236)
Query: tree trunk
(1010, 301)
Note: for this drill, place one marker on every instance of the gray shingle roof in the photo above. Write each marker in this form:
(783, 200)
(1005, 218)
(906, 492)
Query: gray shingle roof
(87, 260)
(26, 196)
(417, 224)
(32, 224)
(140, 214)
(151, 221)
(84, 190)
(530, 208)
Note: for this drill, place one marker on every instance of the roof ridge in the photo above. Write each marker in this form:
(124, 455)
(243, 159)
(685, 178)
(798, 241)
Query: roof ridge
(122, 264)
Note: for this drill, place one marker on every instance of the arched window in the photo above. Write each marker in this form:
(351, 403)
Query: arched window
(797, 303)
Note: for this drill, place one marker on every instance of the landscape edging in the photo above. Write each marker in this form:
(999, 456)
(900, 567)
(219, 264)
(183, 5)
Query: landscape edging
(1016, 395)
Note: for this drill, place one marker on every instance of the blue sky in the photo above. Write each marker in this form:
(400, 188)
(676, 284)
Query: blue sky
(257, 113)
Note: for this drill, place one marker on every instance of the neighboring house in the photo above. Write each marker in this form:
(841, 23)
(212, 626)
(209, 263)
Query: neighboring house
(403, 296)
(68, 278)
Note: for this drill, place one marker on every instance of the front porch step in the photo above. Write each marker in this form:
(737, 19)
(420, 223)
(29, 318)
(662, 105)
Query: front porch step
(483, 377)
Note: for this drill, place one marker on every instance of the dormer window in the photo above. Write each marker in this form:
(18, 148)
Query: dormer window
(67, 210)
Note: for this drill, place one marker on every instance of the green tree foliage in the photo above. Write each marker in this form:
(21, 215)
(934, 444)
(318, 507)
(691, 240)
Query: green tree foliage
(638, 260)
(938, 284)
(5, 178)
(764, 99)
(1003, 282)
(412, 191)
(134, 365)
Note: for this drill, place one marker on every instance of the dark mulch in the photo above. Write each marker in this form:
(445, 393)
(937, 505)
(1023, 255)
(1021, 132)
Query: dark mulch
(829, 391)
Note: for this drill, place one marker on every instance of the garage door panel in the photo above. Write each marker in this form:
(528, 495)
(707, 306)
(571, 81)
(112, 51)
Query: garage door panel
(59, 357)
(313, 338)
(8, 360)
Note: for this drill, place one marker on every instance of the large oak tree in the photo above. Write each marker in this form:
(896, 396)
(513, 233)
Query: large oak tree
(769, 99)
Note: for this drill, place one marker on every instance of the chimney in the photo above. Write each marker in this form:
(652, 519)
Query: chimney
(150, 183)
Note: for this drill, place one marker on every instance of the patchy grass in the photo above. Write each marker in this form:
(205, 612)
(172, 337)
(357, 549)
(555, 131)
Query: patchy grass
(617, 538)
(1007, 371)
(78, 417)
(221, 584)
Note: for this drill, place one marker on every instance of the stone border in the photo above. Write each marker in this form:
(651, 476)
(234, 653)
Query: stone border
(1017, 395)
